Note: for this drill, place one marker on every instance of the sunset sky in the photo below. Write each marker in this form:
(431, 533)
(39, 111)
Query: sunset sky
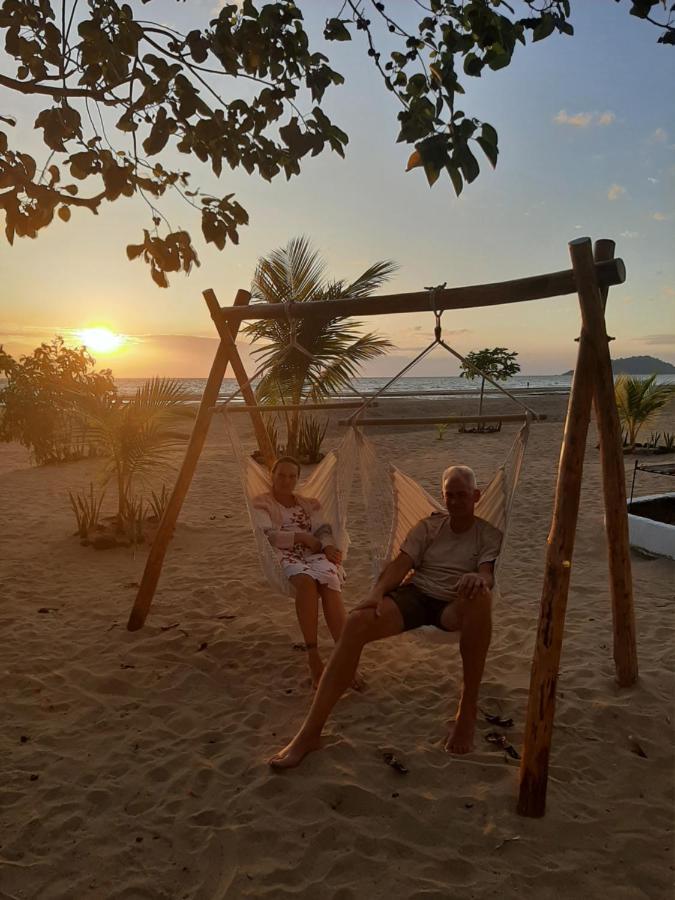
(587, 139)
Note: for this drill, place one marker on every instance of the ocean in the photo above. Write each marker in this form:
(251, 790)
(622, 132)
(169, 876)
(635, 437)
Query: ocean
(412, 386)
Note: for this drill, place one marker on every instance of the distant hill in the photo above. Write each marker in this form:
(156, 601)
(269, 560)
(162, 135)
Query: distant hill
(639, 365)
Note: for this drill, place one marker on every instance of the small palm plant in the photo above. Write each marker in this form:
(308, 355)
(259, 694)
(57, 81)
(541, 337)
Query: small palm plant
(336, 347)
(637, 401)
(136, 437)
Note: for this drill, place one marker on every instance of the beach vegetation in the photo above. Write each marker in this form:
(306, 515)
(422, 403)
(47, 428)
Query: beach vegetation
(498, 362)
(313, 358)
(638, 400)
(157, 502)
(136, 438)
(120, 94)
(310, 439)
(39, 401)
(87, 509)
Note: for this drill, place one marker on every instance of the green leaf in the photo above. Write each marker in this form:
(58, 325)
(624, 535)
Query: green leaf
(455, 177)
(490, 150)
(335, 30)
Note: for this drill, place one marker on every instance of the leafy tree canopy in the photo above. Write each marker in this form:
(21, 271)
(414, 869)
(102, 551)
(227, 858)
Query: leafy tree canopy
(123, 93)
(497, 362)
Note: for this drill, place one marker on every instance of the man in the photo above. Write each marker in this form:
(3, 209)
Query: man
(453, 559)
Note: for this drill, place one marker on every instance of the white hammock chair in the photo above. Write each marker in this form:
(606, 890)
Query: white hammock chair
(330, 483)
(395, 502)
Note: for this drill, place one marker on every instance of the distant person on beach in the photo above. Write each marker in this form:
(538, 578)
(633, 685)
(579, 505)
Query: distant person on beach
(453, 559)
(294, 525)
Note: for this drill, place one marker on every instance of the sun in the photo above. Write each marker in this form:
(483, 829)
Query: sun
(101, 340)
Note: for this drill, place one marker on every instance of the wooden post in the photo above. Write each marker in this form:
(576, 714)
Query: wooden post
(611, 452)
(153, 565)
(247, 393)
(546, 662)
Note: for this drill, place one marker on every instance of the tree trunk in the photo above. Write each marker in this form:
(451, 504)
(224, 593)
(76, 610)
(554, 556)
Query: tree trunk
(121, 498)
(482, 390)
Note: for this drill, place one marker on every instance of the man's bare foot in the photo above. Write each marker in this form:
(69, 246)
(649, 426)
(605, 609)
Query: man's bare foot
(460, 739)
(294, 753)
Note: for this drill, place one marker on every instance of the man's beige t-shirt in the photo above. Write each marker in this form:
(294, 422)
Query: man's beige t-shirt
(440, 556)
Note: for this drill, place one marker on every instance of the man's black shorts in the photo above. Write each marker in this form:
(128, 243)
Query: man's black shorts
(417, 608)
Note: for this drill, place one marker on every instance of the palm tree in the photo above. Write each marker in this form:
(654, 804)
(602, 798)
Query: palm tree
(335, 347)
(135, 436)
(638, 400)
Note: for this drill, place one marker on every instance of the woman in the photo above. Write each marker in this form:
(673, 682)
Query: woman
(309, 558)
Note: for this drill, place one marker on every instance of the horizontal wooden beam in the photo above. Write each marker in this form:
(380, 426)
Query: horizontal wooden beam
(537, 287)
(442, 420)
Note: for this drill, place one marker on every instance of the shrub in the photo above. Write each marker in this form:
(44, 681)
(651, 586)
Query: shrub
(40, 399)
(87, 509)
(158, 502)
(637, 401)
(310, 439)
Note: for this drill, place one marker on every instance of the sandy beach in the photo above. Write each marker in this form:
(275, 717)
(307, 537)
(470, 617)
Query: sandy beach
(134, 765)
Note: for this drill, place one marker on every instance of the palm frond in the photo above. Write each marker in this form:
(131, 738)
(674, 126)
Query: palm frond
(363, 286)
(294, 272)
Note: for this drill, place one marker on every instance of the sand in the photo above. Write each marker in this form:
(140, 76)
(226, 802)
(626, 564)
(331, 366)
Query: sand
(134, 765)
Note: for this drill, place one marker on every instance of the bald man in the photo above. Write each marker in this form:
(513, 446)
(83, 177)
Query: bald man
(452, 557)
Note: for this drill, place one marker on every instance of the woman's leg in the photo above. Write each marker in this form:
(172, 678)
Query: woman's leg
(335, 614)
(307, 611)
(334, 611)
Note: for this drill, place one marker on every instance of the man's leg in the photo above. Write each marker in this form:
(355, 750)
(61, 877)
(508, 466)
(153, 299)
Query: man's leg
(307, 611)
(361, 628)
(474, 618)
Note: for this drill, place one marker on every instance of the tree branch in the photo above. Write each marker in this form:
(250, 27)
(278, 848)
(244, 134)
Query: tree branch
(34, 87)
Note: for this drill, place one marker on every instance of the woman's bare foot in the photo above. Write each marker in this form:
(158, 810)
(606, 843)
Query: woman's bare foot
(460, 739)
(294, 753)
(315, 668)
(358, 684)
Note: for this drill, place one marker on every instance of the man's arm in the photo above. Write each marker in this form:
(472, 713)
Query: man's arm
(390, 577)
(473, 582)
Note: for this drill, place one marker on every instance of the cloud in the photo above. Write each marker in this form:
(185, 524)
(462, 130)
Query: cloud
(615, 192)
(579, 120)
(653, 180)
(660, 339)
(659, 136)
(660, 217)
(584, 119)
(630, 234)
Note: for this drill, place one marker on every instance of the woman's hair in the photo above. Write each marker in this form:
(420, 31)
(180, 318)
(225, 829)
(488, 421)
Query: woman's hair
(286, 459)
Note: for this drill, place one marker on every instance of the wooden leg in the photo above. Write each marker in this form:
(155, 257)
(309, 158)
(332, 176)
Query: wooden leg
(614, 485)
(546, 662)
(247, 393)
(153, 565)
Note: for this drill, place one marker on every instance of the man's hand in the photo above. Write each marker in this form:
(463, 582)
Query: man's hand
(372, 601)
(470, 585)
(333, 554)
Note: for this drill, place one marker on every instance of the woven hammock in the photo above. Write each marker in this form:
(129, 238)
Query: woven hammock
(329, 483)
(396, 503)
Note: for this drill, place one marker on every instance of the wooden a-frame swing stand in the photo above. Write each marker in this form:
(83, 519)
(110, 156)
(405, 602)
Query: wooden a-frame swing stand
(593, 271)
